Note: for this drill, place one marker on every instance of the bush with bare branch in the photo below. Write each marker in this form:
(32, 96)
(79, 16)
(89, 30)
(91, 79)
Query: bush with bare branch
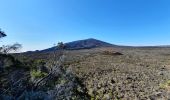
(2, 34)
(8, 48)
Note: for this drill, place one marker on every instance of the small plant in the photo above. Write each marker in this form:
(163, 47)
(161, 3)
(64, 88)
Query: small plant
(165, 85)
(40, 62)
(61, 45)
(5, 49)
(2, 34)
(37, 74)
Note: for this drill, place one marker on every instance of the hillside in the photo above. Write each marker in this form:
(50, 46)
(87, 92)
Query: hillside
(82, 44)
(110, 73)
(87, 70)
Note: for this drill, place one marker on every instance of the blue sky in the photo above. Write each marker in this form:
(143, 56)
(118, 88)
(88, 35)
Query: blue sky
(38, 24)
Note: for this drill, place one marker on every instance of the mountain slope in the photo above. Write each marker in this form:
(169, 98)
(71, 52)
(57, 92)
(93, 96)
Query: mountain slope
(83, 44)
(87, 43)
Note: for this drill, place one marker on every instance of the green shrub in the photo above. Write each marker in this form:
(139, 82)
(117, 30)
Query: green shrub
(37, 74)
(165, 85)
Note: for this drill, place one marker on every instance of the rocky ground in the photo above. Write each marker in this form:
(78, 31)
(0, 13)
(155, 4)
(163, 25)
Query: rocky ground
(137, 74)
(117, 73)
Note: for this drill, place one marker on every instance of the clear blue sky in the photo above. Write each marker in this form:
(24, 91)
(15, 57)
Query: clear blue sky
(38, 24)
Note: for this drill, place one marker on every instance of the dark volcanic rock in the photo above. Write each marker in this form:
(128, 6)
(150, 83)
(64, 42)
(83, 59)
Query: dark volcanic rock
(82, 44)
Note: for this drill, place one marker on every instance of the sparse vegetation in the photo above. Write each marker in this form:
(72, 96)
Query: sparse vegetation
(61, 45)
(165, 85)
(55, 83)
(37, 74)
(21, 78)
(2, 34)
(5, 49)
(89, 74)
(8, 48)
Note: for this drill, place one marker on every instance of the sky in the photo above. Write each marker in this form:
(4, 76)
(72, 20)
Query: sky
(38, 24)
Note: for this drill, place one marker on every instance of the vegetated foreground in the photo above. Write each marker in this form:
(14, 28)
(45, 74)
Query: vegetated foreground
(107, 74)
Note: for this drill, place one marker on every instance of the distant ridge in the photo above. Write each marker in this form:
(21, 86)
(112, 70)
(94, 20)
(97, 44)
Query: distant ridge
(82, 44)
(92, 43)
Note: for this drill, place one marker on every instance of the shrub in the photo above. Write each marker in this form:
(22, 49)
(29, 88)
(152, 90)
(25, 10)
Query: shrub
(37, 74)
(165, 85)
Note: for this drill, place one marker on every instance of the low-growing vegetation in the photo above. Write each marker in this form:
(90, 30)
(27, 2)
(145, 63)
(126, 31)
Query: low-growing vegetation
(53, 83)
(103, 73)
(165, 85)
(37, 74)
(22, 78)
